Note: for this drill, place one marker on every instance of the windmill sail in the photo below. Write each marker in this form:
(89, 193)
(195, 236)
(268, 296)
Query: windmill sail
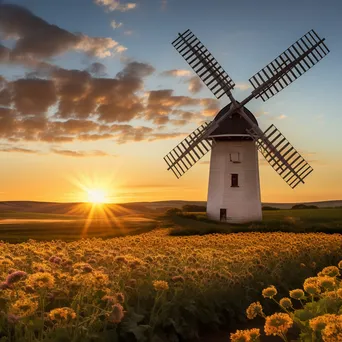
(189, 151)
(282, 156)
(288, 66)
(203, 63)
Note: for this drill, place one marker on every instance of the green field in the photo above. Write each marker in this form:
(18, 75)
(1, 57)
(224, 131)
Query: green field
(21, 226)
(287, 220)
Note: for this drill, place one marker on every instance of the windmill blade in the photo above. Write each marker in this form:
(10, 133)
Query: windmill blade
(189, 151)
(282, 156)
(203, 63)
(288, 66)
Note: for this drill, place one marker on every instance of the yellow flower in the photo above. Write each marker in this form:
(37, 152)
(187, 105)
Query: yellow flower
(24, 307)
(297, 294)
(318, 323)
(327, 282)
(62, 315)
(331, 271)
(311, 286)
(41, 280)
(254, 310)
(160, 285)
(278, 324)
(249, 335)
(339, 293)
(269, 292)
(333, 330)
(340, 265)
(285, 302)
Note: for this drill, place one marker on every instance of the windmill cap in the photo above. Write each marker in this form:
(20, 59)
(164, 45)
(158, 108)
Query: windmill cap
(234, 125)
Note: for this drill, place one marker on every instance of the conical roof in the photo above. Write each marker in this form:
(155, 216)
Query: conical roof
(235, 126)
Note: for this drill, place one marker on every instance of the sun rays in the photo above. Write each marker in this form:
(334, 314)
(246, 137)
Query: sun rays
(95, 205)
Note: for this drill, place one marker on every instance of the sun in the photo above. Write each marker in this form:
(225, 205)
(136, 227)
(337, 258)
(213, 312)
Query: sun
(96, 196)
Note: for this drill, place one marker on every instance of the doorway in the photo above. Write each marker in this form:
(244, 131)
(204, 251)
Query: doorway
(223, 215)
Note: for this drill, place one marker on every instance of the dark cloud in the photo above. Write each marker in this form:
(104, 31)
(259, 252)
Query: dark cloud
(97, 69)
(162, 103)
(36, 38)
(33, 96)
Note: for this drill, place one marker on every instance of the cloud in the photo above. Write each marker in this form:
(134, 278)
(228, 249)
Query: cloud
(97, 69)
(37, 39)
(115, 24)
(261, 113)
(71, 153)
(162, 103)
(116, 5)
(9, 148)
(243, 86)
(195, 84)
(175, 73)
(277, 117)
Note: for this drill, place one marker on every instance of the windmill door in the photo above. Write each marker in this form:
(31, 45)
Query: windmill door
(223, 215)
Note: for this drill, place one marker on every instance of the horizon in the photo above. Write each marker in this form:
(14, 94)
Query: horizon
(93, 113)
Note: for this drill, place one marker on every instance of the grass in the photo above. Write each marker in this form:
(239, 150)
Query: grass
(19, 227)
(295, 220)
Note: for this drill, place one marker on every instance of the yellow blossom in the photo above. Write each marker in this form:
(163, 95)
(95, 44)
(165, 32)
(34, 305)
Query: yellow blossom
(160, 285)
(278, 324)
(253, 310)
(297, 294)
(269, 292)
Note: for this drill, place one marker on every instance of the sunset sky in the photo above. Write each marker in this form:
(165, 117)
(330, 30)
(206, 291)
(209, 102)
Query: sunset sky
(93, 94)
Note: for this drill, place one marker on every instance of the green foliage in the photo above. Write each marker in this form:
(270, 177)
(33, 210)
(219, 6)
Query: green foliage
(304, 206)
(266, 207)
(296, 221)
(191, 208)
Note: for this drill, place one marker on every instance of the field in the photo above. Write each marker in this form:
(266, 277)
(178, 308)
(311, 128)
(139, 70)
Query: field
(143, 283)
(150, 287)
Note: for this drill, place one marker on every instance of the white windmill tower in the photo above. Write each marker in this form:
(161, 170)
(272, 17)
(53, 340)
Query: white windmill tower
(234, 135)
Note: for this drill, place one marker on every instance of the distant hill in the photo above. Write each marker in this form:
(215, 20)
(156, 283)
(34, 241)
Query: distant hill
(81, 209)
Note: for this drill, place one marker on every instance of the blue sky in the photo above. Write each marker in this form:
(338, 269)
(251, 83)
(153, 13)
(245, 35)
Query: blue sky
(244, 36)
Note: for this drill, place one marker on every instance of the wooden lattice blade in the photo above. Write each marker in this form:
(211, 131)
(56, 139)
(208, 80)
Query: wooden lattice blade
(203, 63)
(282, 156)
(189, 151)
(288, 66)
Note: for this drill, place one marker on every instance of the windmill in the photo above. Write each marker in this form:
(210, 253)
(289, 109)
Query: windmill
(234, 136)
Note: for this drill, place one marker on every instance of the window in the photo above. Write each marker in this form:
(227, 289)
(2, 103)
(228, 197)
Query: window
(235, 180)
(223, 214)
(234, 157)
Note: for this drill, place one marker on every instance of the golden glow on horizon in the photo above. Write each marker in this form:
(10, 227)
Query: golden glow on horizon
(96, 196)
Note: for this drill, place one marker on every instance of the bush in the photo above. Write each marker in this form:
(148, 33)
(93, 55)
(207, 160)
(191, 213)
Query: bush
(173, 212)
(194, 208)
(266, 207)
(304, 206)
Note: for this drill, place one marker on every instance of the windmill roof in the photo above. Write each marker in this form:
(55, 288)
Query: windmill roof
(233, 125)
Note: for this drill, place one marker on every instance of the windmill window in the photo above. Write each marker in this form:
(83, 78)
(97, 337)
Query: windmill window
(235, 157)
(235, 180)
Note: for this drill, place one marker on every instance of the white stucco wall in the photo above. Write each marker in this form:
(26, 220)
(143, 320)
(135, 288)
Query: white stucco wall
(243, 203)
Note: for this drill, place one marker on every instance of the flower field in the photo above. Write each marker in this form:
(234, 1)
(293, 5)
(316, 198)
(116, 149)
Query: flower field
(149, 287)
